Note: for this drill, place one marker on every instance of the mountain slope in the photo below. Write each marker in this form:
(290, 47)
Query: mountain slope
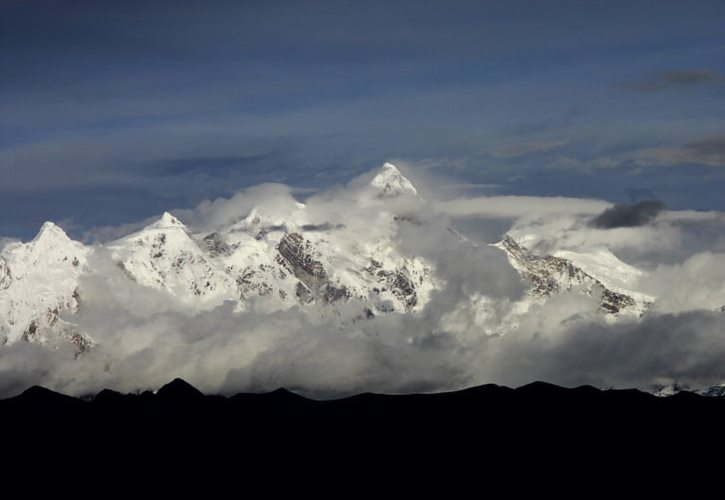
(549, 274)
(39, 283)
(165, 255)
(276, 261)
(279, 256)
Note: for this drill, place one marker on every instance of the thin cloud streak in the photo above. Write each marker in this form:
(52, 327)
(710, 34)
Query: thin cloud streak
(672, 79)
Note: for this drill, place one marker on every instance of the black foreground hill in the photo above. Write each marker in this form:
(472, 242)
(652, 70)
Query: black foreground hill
(483, 433)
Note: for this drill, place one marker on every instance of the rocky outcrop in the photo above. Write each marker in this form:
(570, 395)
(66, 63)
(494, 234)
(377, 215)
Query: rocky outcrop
(6, 278)
(215, 245)
(397, 281)
(548, 275)
(50, 329)
(296, 252)
(297, 255)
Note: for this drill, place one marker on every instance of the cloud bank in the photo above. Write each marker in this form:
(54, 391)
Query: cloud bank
(145, 338)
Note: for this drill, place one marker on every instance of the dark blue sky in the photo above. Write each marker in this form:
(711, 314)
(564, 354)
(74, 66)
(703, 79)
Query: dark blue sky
(114, 111)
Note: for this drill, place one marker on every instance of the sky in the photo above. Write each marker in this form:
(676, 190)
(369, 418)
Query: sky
(111, 112)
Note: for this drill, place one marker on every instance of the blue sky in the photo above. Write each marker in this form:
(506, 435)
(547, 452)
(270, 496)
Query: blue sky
(114, 111)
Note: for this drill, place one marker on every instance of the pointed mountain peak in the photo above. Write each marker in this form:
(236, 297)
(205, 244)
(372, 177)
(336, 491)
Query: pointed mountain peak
(390, 182)
(50, 232)
(37, 395)
(179, 389)
(108, 396)
(507, 243)
(167, 221)
(285, 395)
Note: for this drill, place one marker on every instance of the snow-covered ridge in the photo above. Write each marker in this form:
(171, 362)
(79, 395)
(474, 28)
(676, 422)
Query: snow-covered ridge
(566, 271)
(273, 258)
(39, 283)
(279, 260)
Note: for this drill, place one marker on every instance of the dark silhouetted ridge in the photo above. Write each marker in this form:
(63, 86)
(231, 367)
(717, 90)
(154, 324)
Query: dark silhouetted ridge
(108, 396)
(179, 390)
(37, 395)
(282, 394)
(540, 432)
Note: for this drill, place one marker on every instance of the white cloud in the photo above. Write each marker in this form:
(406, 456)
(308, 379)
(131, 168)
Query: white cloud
(6, 241)
(145, 338)
(519, 206)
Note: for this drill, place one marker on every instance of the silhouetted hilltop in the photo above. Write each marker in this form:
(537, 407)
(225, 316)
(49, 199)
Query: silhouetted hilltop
(179, 390)
(533, 394)
(545, 430)
(37, 395)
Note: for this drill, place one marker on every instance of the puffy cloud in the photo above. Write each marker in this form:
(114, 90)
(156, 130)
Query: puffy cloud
(660, 349)
(519, 206)
(6, 241)
(271, 199)
(144, 338)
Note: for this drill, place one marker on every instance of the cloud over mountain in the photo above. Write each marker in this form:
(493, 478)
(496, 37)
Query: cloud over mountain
(369, 286)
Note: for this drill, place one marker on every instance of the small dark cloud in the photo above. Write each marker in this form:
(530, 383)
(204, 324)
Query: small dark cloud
(689, 76)
(322, 227)
(661, 80)
(709, 152)
(628, 214)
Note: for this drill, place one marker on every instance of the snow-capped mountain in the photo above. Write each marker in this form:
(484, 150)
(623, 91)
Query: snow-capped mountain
(39, 283)
(276, 258)
(167, 256)
(389, 182)
(551, 274)
(280, 261)
(665, 391)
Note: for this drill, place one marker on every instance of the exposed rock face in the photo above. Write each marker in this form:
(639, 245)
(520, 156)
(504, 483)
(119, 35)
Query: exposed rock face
(273, 259)
(297, 255)
(6, 278)
(398, 281)
(52, 330)
(549, 275)
(216, 246)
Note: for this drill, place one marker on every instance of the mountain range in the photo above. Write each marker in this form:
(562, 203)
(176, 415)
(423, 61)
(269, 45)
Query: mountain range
(278, 259)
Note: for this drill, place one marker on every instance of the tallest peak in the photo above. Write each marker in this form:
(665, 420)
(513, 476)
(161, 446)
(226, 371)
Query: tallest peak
(50, 231)
(166, 221)
(391, 182)
(167, 218)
